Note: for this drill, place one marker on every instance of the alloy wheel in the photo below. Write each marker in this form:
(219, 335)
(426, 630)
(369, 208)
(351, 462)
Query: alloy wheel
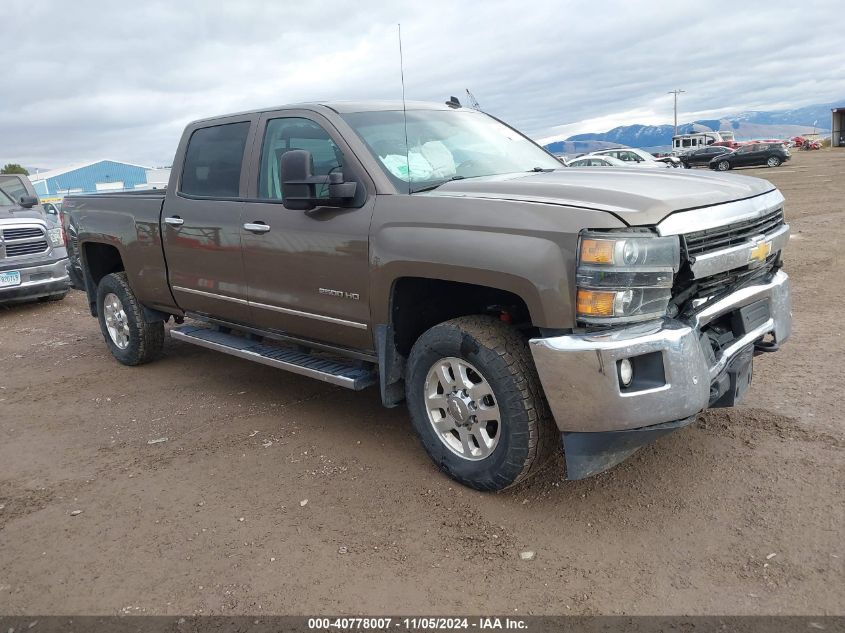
(462, 408)
(117, 323)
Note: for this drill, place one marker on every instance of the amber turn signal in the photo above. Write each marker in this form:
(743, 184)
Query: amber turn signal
(597, 251)
(596, 303)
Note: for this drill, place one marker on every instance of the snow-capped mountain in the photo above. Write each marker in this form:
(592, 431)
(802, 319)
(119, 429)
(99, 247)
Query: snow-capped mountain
(745, 125)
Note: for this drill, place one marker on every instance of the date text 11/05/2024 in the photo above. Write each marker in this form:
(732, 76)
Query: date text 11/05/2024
(416, 624)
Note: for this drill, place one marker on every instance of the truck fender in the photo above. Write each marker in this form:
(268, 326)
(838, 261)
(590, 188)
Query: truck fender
(537, 269)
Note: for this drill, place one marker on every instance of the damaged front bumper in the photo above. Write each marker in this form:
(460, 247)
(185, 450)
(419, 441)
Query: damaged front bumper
(676, 374)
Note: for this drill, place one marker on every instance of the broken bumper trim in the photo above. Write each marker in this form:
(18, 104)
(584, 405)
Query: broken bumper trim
(579, 371)
(588, 454)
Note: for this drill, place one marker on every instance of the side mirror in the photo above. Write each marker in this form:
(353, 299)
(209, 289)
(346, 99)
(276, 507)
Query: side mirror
(299, 184)
(27, 202)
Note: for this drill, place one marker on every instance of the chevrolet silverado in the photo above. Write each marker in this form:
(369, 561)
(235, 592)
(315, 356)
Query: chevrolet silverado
(514, 304)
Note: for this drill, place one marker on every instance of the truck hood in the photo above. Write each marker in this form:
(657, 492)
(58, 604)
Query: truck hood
(16, 212)
(637, 196)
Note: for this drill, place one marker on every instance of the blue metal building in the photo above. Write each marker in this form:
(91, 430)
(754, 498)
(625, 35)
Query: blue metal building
(102, 175)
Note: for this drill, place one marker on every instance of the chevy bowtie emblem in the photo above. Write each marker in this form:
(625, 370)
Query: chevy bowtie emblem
(760, 252)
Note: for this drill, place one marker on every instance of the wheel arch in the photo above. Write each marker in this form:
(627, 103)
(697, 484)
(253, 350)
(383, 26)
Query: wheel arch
(98, 260)
(418, 303)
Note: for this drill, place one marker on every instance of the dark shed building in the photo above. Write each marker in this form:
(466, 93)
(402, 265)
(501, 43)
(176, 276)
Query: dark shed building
(837, 127)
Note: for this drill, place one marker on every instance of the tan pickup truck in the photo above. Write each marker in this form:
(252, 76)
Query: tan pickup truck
(514, 304)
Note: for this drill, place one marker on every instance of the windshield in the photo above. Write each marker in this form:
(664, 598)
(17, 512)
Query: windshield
(445, 145)
(5, 198)
(11, 188)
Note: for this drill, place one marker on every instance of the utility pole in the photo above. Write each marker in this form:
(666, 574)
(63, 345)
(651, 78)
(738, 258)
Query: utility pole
(676, 93)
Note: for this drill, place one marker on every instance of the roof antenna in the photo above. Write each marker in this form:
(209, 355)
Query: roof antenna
(404, 110)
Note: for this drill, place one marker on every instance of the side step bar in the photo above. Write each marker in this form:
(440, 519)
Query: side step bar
(335, 371)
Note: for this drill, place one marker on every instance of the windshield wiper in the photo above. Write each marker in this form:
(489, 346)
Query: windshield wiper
(431, 187)
(543, 169)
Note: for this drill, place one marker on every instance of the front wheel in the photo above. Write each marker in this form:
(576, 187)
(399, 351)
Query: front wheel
(723, 165)
(773, 161)
(129, 337)
(476, 403)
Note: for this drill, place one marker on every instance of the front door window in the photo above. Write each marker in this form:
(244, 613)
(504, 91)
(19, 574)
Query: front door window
(283, 135)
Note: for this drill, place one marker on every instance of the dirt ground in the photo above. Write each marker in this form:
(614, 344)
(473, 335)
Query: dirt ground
(741, 513)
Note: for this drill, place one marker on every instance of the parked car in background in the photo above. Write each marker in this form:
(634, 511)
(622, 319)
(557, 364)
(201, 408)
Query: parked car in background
(703, 155)
(51, 208)
(596, 161)
(668, 160)
(631, 156)
(754, 154)
(33, 256)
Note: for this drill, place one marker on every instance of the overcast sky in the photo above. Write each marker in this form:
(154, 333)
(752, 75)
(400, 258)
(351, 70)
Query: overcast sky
(90, 80)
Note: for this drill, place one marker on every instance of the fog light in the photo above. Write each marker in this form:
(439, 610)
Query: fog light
(626, 372)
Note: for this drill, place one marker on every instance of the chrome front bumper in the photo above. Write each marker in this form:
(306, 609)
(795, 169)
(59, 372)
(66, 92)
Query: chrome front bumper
(37, 281)
(579, 372)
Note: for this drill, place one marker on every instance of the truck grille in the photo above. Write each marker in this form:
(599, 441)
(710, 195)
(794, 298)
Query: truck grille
(26, 248)
(20, 241)
(717, 238)
(721, 282)
(21, 233)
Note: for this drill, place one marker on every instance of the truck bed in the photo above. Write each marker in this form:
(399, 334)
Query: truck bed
(134, 219)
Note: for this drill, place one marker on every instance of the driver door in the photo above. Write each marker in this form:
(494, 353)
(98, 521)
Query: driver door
(307, 272)
(743, 155)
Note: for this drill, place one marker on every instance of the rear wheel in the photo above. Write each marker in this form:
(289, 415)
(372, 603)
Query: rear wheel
(130, 339)
(723, 165)
(773, 161)
(476, 403)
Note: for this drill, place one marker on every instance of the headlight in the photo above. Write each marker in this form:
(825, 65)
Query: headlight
(57, 237)
(625, 276)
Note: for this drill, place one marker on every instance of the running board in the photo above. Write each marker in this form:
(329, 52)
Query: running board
(335, 371)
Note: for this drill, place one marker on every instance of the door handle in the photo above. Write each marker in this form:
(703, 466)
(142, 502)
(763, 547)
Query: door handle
(256, 227)
(174, 221)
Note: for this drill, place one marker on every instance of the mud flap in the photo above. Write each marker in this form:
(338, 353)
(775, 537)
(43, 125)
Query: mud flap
(588, 454)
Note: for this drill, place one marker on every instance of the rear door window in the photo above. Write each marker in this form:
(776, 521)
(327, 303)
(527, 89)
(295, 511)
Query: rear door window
(213, 161)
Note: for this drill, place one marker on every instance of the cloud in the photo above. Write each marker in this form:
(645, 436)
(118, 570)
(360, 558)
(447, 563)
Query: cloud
(93, 79)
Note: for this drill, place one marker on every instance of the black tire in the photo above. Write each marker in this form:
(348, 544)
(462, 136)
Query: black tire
(773, 161)
(687, 166)
(723, 165)
(527, 435)
(145, 339)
